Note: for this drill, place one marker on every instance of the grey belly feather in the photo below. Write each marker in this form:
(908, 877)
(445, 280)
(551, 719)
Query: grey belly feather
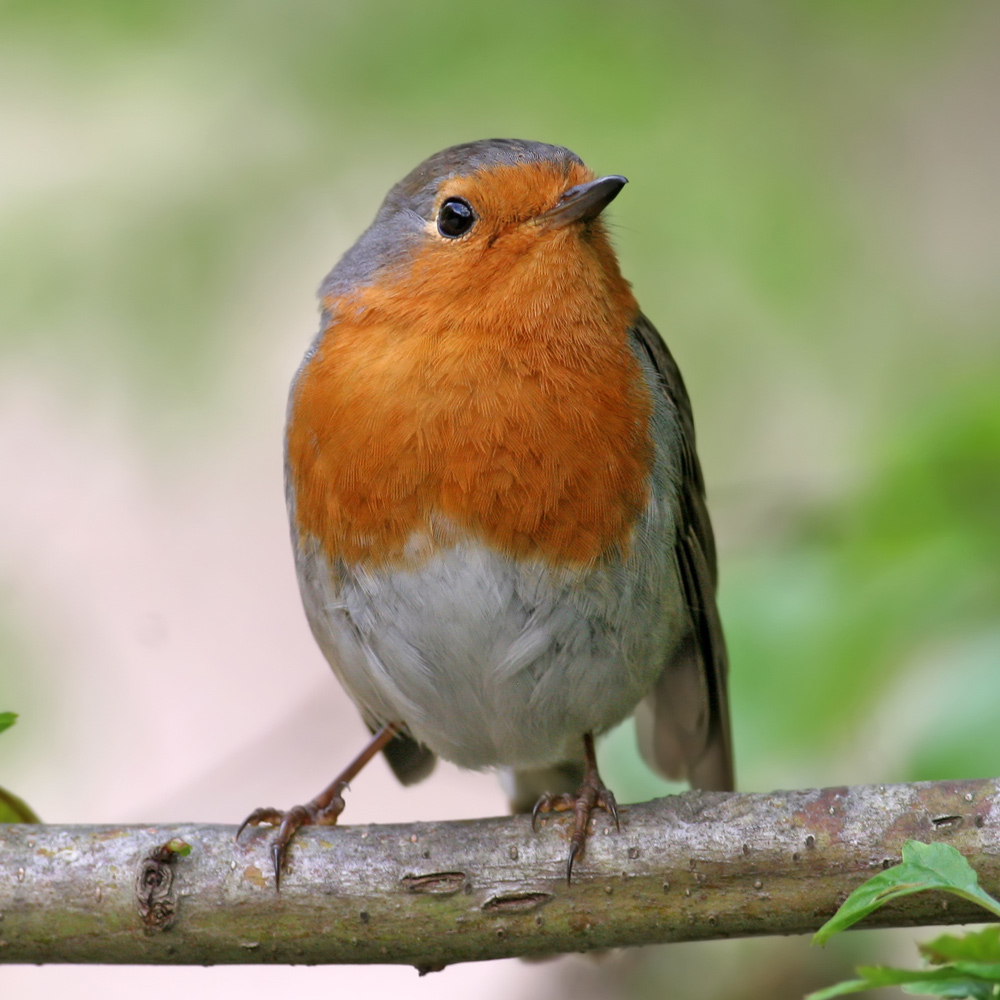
(491, 662)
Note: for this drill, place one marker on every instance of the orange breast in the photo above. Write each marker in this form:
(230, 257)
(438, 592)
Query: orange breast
(505, 403)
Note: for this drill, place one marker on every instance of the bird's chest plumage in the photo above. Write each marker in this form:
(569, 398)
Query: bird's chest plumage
(479, 539)
(538, 446)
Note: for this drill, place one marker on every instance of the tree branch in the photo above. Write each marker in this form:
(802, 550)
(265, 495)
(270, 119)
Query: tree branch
(688, 867)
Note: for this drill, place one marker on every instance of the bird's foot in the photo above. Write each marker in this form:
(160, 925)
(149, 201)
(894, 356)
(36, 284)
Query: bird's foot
(591, 795)
(320, 811)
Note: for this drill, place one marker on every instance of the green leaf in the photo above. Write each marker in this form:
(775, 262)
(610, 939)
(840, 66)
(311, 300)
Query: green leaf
(976, 946)
(924, 866)
(989, 973)
(15, 810)
(974, 954)
(944, 982)
(841, 989)
(959, 989)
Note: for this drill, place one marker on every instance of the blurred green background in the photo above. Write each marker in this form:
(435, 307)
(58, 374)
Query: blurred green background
(813, 223)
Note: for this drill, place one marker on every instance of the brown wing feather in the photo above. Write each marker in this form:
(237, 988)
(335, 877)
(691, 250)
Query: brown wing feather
(684, 723)
(410, 761)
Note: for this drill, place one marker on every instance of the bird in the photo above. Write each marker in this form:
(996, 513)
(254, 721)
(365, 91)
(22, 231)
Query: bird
(497, 511)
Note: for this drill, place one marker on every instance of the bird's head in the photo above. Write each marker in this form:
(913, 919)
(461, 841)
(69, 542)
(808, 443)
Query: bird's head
(486, 232)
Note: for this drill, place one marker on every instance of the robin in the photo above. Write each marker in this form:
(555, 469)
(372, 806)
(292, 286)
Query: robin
(497, 512)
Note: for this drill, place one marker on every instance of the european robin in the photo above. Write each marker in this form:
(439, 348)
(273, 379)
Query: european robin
(497, 512)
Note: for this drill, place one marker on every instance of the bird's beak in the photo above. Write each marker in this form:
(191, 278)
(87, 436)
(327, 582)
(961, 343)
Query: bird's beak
(584, 201)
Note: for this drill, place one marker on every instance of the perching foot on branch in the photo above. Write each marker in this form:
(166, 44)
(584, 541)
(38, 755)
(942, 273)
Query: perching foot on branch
(591, 794)
(323, 810)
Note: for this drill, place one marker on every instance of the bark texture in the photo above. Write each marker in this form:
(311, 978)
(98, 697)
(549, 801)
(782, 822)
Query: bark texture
(689, 867)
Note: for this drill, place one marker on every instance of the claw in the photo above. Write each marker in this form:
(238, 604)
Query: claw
(277, 857)
(574, 849)
(266, 814)
(610, 805)
(542, 805)
(589, 796)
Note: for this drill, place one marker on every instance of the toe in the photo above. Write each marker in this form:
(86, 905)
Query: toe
(266, 814)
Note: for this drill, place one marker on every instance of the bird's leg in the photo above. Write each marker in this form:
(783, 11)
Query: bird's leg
(323, 810)
(589, 796)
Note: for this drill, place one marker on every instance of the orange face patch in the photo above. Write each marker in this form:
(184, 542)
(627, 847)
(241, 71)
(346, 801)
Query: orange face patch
(487, 387)
(514, 193)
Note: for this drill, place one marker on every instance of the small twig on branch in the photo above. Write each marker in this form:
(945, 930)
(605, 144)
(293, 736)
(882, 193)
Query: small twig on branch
(688, 867)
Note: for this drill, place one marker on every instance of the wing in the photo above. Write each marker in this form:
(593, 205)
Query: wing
(683, 723)
(410, 761)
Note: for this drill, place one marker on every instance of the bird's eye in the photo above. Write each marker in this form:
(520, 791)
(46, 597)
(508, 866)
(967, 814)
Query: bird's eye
(455, 218)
